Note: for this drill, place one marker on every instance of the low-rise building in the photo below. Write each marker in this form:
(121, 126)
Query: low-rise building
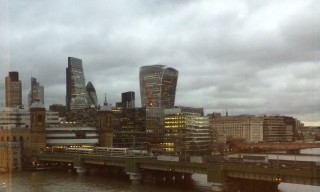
(10, 155)
(247, 127)
(186, 132)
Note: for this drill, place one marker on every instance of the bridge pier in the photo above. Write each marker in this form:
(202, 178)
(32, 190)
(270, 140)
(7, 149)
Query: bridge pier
(135, 178)
(217, 187)
(147, 177)
(81, 170)
(257, 185)
(178, 177)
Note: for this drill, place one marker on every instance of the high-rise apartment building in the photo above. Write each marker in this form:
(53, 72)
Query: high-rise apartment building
(158, 86)
(13, 89)
(76, 97)
(91, 95)
(36, 92)
(128, 100)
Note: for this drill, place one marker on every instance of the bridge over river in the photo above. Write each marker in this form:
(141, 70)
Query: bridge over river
(222, 173)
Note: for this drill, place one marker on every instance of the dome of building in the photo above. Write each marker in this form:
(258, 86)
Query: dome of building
(105, 106)
(37, 104)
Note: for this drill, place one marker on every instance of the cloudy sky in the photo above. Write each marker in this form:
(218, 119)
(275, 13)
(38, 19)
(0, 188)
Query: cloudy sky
(250, 57)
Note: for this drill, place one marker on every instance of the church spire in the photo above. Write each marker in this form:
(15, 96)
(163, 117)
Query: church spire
(105, 103)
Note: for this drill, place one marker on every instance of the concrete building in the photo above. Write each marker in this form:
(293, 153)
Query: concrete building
(13, 90)
(247, 127)
(71, 135)
(20, 118)
(61, 109)
(10, 155)
(277, 129)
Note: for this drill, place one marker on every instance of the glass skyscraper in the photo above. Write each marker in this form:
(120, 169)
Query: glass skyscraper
(158, 89)
(158, 86)
(128, 100)
(76, 97)
(36, 92)
(91, 95)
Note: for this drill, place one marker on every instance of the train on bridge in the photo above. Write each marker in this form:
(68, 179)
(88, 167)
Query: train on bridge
(97, 151)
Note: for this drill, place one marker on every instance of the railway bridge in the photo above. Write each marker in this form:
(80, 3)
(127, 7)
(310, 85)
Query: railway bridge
(223, 174)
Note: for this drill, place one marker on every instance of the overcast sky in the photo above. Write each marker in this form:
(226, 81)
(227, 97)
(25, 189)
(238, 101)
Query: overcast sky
(250, 57)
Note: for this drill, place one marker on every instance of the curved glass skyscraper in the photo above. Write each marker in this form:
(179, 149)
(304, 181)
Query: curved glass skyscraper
(91, 95)
(76, 89)
(158, 86)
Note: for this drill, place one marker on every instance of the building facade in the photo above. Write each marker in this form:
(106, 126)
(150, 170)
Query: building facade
(186, 132)
(247, 127)
(76, 97)
(10, 155)
(106, 130)
(61, 109)
(13, 90)
(130, 130)
(128, 100)
(158, 86)
(277, 129)
(20, 118)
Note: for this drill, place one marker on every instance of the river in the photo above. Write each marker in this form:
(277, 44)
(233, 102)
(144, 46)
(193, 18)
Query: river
(60, 181)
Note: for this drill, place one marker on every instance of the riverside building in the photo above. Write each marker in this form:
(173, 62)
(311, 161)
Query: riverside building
(247, 127)
(186, 132)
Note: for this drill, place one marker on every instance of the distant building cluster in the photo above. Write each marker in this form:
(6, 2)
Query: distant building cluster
(157, 126)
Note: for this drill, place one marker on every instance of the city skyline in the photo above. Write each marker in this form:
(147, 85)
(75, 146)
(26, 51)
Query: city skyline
(252, 58)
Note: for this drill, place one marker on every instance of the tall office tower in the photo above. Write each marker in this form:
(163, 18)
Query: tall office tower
(158, 86)
(36, 92)
(91, 95)
(76, 97)
(128, 100)
(13, 90)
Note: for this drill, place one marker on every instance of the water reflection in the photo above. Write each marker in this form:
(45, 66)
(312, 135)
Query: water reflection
(58, 181)
(52, 181)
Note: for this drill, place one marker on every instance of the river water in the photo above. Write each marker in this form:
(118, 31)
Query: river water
(60, 181)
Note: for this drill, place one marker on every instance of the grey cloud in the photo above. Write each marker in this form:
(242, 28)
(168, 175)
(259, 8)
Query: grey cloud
(252, 57)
